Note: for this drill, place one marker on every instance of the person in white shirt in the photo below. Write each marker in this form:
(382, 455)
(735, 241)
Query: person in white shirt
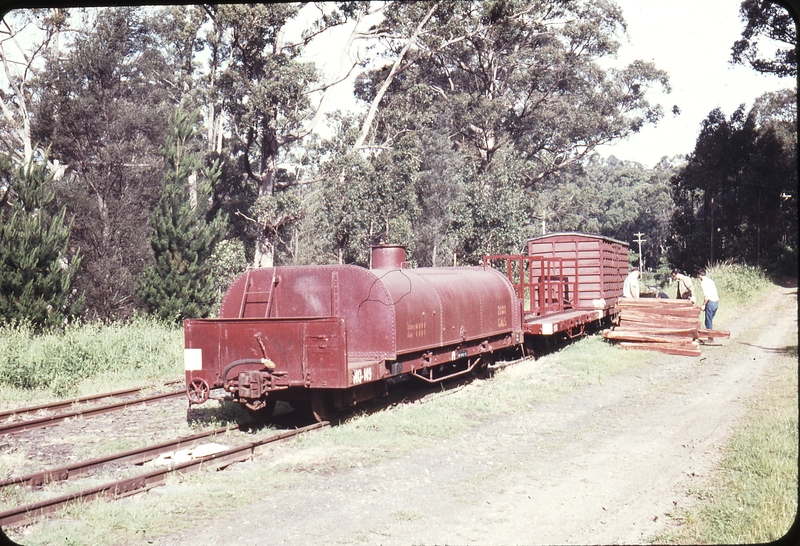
(710, 298)
(630, 288)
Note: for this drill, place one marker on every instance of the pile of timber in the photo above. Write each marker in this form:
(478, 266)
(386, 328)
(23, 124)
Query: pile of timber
(663, 325)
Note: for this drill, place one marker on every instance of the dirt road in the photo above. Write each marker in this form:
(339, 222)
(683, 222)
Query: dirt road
(604, 464)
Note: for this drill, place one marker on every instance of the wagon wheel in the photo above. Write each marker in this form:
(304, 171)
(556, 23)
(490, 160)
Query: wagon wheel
(322, 406)
(198, 391)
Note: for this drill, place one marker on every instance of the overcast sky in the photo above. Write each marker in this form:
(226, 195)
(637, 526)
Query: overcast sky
(691, 40)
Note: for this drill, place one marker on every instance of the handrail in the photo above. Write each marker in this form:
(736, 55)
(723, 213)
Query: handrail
(551, 292)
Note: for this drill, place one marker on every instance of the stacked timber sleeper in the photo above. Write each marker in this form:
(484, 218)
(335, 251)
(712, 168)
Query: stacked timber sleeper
(663, 325)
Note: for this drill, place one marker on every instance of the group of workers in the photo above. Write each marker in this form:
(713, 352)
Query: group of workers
(630, 289)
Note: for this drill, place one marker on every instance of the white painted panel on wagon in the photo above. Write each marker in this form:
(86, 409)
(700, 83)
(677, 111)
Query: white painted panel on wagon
(193, 359)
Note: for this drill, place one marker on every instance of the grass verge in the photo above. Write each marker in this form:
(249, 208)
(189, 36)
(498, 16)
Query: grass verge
(86, 359)
(753, 496)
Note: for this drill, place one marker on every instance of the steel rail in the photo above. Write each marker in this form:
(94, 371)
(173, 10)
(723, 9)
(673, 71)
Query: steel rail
(145, 481)
(32, 424)
(90, 398)
(133, 456)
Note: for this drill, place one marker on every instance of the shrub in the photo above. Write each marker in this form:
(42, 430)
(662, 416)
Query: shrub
(737, 283)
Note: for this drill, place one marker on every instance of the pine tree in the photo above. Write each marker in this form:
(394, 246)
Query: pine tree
(176, 286)
(36, 270)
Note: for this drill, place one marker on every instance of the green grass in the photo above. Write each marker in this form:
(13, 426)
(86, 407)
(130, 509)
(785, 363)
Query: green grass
(753, 496)
(87, 358)
(738, 285)
(371, 437)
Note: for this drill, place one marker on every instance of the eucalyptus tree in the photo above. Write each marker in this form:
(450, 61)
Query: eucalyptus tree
(440, 187)
(265, 93)
(736, 196)
(28, 37)
(515, 75)
(612, 197)
(363, 199)
(767, 22)
(521, 84)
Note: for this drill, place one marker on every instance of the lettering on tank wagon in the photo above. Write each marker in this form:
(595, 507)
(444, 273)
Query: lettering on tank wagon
(502, 320)
(362, 375)
(415, 330)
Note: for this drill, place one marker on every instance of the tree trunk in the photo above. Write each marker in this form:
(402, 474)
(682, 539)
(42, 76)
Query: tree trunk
(105, 229)
(373, 108)
(191, 181)
(265, 251)
(711, 212)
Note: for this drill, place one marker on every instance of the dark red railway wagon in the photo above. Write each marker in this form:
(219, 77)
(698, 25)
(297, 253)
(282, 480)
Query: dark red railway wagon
(598, 264)
(334, 333)
(592, 269)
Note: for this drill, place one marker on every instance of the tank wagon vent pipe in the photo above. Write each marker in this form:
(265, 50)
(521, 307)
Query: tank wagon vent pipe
(388, 257)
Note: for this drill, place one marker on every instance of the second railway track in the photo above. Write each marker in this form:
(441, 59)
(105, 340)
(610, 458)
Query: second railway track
(11, 425)
(133, 484)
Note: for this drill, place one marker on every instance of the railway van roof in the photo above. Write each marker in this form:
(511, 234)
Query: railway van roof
(575, 234)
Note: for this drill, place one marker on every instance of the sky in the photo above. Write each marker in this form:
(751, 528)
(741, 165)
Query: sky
(689, 39)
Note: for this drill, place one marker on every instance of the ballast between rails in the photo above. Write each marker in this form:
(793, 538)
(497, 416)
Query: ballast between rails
(52, 406)
(134, 456)
(147, 480)
(336, 335)
(13, 427)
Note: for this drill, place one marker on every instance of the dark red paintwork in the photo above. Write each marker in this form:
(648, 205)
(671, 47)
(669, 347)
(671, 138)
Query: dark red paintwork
(599, 265)
(566, 281)
(285, 332)
(340, 326)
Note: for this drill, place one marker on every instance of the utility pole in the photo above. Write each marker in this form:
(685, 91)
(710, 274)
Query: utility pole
(640, 241)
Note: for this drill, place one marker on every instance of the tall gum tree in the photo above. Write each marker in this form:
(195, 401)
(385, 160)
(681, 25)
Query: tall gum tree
(520, 76)
(767, 22)
(735, 194)
(265, 92)
(522, 86)
(27, 39)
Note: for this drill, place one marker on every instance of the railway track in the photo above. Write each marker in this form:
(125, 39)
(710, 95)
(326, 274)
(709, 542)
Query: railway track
(140, 482)
(11, 425)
